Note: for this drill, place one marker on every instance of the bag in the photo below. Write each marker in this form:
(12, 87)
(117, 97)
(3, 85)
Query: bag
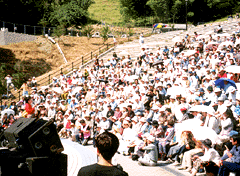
(24, 114)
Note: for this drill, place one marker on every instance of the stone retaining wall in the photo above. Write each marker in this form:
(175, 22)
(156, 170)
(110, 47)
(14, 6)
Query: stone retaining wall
(12, 37)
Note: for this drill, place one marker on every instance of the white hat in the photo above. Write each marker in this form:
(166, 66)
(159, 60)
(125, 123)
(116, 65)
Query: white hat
(223, 109)
(227, 103)
(151, 138)
(135, 119)
(217, 90)
(127, 119)
(143, 119)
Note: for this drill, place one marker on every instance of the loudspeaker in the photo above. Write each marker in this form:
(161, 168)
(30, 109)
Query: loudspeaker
(17, 134)
(48, 166)
(45, 140)
(34, 136)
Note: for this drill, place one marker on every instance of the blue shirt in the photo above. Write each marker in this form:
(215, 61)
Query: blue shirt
(237, 110)
(236, 154)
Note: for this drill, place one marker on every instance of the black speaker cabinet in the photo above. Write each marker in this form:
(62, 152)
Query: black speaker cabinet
(35, 136)
(45, 140)
(48, 166)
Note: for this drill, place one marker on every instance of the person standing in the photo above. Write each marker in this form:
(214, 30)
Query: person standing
(28, 106)
(107, 145)
(9, 82)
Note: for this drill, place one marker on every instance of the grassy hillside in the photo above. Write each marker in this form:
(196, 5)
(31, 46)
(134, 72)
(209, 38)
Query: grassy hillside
(107, 11)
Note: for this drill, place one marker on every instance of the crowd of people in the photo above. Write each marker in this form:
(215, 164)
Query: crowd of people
(150, 103)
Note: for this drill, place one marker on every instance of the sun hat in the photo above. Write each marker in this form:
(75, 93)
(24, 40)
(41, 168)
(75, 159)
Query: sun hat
(151, 138)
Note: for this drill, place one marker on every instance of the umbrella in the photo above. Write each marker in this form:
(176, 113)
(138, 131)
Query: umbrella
(220, 83)
(176, 90)
(226, 44)
(233, 69)
(200, 108)
(57, 89)
(8, 111)
(159, 25)
(238, 86)
(199, 132)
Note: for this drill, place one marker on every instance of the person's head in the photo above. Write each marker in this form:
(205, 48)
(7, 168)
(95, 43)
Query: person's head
(82, 122)
(28, 99)
(235, 139)
(207, 143)
(107, 145)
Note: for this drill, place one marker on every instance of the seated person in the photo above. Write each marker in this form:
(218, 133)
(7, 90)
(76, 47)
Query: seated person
(187, 156)
(186, 143)
(164, 142)
(151, 156)
(84, 133)
(210, 154)
(234, 154)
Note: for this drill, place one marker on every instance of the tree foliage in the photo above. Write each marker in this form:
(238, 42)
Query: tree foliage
(45, 12)
(105, 30)
(175, 10)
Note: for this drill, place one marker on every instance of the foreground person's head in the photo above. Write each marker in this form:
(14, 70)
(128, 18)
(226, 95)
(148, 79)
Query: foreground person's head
(107, 145)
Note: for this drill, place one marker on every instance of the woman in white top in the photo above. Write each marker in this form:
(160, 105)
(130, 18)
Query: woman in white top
(210, 154)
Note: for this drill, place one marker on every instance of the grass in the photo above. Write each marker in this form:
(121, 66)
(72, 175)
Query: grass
(107, 11)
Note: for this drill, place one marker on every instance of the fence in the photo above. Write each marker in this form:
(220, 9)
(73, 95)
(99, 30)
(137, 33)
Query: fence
(67, 68)
(33, 30)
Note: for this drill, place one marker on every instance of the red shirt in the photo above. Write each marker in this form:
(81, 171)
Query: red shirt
(29, 108)
(222, 76)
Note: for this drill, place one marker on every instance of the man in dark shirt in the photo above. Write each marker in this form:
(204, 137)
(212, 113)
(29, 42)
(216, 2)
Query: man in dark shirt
(110, 112)
(107, 145)
(130, 112)
(234, 155)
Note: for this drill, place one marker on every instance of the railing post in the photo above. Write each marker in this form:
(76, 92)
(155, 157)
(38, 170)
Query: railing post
(19, 95)
(3, 24)
(49, 79)
(34, 30)
(24, 29)
(82, 60)
(44, 31)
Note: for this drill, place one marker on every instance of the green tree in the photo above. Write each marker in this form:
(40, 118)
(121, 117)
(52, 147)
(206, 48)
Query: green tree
(59, 31)
(73, 12)
(160, 9)
(88, 31)
(133, 9)
(105, 30)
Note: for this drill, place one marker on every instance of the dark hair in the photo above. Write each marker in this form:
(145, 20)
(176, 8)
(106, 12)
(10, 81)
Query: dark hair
(27, 99)
(170, 123)
(236, 138)
(107, 144)
(169, 110)
(82, 121)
